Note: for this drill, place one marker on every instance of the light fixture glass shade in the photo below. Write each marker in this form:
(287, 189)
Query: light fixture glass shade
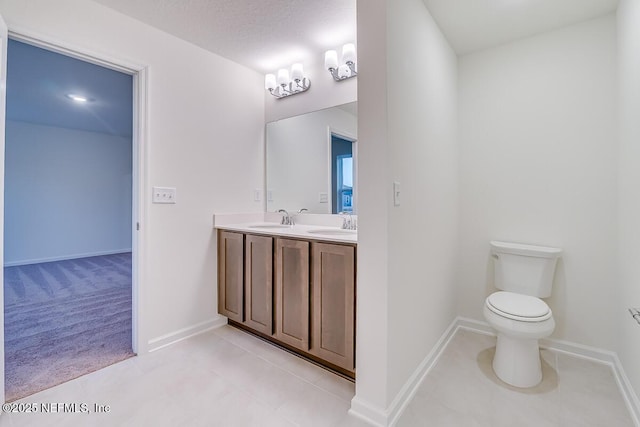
(331, 59)
(344, 71)
(296, 72)
(349, 53)
(281, 86)
(283, 76)
(270, 82)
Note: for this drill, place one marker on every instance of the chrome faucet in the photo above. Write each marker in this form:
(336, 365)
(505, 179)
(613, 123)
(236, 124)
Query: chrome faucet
(303, 210)
(286, 218)
(350, 223)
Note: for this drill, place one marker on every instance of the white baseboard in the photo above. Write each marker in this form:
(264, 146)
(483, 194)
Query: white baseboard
(577, 350)
(475, 326)
(389, 416)
(65, 257)
(410, 387)
(184, 333)
(629, 394)
(368, 413)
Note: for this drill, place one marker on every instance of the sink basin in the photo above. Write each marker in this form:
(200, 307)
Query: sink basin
(270, 226)
(333, 232)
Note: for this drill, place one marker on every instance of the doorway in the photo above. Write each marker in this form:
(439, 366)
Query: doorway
(69, 207)
(342, 174)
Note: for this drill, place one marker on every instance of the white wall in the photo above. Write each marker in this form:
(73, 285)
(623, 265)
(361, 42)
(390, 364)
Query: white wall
(373, 209)
(67, 193)
(407, 133)
(422, 135)
(628, 292)
(297, 151)
(323, 93)
(204, 137)
(538, 164)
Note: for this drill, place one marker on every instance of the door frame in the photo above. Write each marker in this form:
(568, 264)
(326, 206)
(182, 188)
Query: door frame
(347, 136)
(140, 170)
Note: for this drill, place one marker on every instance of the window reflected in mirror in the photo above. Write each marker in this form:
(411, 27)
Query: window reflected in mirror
(341, 174)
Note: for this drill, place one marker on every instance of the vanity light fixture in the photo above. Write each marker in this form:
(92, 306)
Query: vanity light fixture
(283, 86)
(347, 69)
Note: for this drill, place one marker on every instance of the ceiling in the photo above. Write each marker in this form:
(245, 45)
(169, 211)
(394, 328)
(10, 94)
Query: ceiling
(39, 80)
(472, 25)
(268, 34)
(261, 34)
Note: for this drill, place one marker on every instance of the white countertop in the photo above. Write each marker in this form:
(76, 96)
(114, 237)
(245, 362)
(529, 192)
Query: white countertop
(311, 232)
(325, 227)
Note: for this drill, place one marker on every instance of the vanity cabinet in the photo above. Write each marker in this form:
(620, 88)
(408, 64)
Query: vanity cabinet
(292, 293)
(245, 279)
(333, 304)
(231, 275)
(258, 264)
(297, 293)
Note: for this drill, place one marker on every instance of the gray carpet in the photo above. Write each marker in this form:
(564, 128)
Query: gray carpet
(65, 319)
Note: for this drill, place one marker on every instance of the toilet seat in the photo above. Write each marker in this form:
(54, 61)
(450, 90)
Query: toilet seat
(518, 307)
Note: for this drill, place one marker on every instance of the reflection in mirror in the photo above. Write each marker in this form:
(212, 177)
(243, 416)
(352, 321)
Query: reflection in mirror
(312, 161)
(341, 174)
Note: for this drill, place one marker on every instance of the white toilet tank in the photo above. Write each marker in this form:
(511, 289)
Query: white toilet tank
(524, 269)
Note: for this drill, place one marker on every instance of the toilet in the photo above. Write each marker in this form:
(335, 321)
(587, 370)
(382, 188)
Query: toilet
(523, 274)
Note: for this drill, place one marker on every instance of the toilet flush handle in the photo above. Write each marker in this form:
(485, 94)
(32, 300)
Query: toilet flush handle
(495, 256)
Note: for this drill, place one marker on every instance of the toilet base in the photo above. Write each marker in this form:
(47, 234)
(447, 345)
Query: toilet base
(517, 361)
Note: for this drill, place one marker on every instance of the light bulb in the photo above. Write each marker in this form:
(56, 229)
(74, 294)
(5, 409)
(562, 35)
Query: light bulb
(297, 72)
(331, 59)
(270, 82)
(283, 77)
(77, 98)
(349, 53)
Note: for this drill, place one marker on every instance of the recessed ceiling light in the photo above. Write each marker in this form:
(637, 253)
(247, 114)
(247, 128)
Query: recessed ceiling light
(78, 98)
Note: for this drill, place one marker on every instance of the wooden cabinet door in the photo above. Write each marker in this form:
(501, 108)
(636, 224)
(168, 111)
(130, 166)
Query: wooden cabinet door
(292, 293)
(231, 275)
(332, 307)
(258, 280)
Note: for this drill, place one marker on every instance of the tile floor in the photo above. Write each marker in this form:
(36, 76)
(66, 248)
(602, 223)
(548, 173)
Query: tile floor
(228, 378)
(223, 378)
(462, 390)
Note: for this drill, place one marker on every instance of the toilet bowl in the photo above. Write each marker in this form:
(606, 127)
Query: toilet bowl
(523, 274)
(520, 321)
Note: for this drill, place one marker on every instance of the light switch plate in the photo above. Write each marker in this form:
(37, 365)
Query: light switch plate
(396, 193)
(164, 195)
(323, 197)
(257, 195)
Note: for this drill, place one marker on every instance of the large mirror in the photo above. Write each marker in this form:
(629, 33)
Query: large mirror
(312, 160)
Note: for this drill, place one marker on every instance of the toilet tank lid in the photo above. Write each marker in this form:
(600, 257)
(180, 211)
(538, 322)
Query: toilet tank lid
(524, 249)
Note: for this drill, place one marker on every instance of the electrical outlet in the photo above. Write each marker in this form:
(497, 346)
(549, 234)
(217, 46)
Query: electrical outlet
(164, 195)
(323, 198)
(257, 195)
